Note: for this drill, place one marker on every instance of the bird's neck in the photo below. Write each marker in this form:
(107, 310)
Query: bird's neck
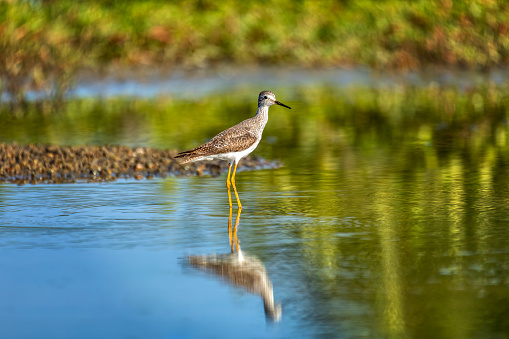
(262, 113)
(261, 117)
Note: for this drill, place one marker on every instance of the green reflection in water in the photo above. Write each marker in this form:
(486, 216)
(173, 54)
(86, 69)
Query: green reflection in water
(399, 198)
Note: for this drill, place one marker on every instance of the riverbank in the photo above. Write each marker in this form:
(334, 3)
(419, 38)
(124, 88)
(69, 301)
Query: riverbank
(46, 43)
(33, 164)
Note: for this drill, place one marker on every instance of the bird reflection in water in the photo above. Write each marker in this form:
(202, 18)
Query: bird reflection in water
(240, 269)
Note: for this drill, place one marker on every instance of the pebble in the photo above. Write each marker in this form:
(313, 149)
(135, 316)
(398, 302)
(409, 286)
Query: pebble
(23, 164)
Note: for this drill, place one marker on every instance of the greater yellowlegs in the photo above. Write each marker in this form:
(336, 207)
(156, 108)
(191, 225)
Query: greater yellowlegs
(236, 142)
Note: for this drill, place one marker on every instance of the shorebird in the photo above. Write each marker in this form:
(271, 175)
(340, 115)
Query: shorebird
(236, 142)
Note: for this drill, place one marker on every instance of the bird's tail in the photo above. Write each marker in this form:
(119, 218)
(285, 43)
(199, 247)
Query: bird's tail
(191, 155)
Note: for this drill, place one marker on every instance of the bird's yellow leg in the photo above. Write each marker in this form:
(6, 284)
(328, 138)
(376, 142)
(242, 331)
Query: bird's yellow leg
(235, 188)
(231, 206)
(228, 186)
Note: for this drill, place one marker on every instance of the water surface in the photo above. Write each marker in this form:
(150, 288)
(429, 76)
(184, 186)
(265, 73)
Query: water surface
(381, 223)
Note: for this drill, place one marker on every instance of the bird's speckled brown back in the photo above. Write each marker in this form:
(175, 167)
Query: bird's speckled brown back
(234, 139)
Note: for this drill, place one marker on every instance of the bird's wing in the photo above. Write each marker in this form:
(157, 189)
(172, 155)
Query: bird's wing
(234, 139)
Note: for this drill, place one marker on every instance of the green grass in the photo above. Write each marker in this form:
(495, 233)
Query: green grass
(44, 43)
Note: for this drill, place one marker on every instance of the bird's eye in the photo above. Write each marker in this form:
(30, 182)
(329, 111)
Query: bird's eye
(265, 97)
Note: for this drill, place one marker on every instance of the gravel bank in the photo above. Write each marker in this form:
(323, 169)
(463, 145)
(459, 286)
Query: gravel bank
(32, 164)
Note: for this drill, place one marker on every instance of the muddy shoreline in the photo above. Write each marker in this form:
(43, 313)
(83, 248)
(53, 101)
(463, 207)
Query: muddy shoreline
(51, 164)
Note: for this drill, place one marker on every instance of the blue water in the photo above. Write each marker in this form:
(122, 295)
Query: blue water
(108, 260)
(150, 82)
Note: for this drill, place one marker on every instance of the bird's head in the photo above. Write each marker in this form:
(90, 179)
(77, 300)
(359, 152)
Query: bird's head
(267, 98)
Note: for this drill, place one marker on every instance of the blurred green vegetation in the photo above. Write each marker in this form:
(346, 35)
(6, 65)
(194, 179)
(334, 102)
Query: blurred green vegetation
(445, 119)
(44, 43)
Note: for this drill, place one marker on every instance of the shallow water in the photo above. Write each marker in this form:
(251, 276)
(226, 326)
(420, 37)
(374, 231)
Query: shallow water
(147, 83)
(372, 228)
(113, 256)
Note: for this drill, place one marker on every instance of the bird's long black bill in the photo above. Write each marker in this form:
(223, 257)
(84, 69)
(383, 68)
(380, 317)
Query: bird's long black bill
(281, 104)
